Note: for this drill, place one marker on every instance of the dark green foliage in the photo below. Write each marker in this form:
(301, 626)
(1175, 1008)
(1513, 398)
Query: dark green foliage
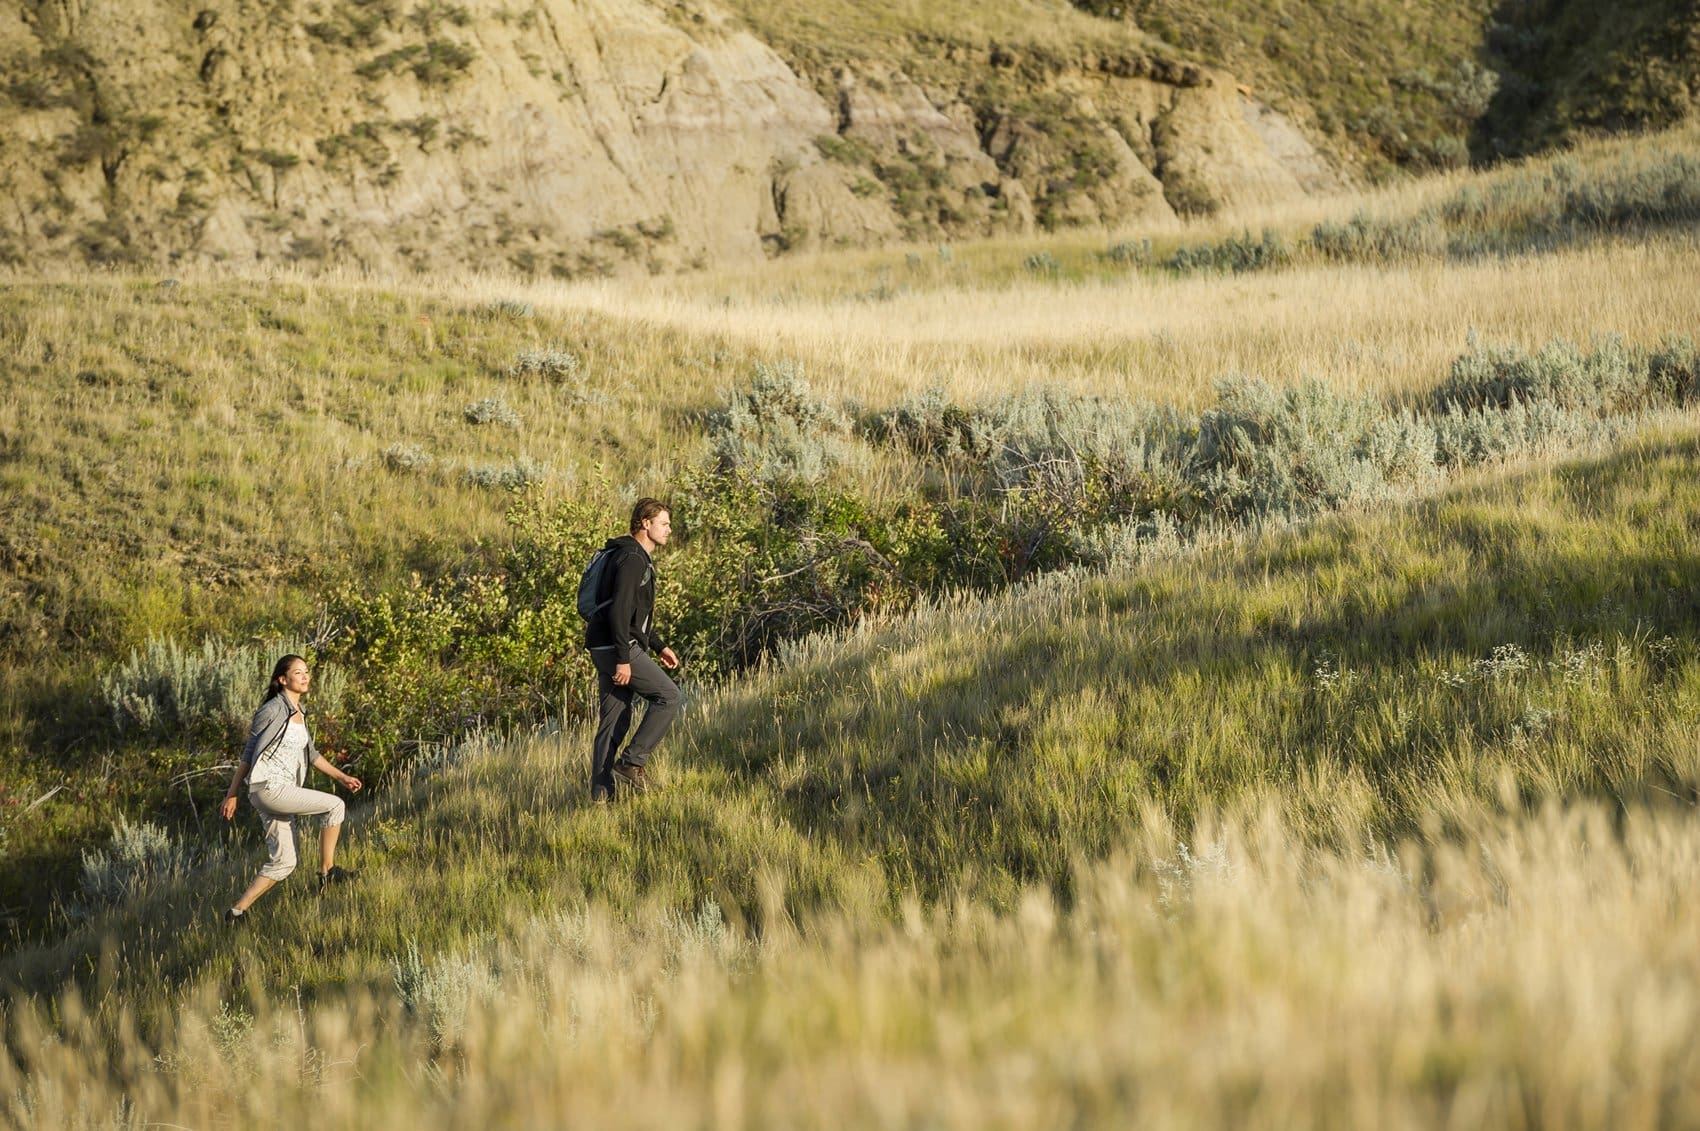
(1575, 66)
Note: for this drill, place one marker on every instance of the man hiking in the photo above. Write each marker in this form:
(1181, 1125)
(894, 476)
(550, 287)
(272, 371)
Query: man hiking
(620, 636)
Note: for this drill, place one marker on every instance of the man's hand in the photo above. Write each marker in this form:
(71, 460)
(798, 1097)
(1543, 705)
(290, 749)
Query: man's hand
(351, 783)
(227, 808)
(622, 674)
(669, 658)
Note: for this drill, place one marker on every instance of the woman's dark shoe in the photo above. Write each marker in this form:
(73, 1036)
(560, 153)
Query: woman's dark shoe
(336, 874)
(635, 776)
(601, 795)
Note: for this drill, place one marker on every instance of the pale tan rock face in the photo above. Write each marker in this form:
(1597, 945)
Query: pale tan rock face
(570, 137)
(1217, 148)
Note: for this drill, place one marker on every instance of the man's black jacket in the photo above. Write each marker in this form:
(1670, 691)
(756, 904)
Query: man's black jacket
(626, 601)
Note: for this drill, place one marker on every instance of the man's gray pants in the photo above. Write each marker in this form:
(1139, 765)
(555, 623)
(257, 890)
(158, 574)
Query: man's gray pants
(650, 684)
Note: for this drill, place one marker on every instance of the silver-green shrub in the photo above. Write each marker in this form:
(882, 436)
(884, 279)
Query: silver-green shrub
(491, 410)
(554, 363)
(407, 458)
(1042, 263)
(510, 308)
(1365, 237)
(1267, 451)
(1053, 438)
(1485, 434)
(516, 476)
(927, 423)
(1235, 254)
(1673, 371)
(1609, 379)
(168, 688)
(779, 428)
(441, 992)
(138, 857)
(1130, 253)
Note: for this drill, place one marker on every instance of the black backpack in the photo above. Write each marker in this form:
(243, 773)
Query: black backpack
(591, 583)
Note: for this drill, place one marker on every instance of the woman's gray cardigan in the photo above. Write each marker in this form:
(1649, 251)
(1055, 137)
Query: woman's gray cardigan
(267, 731)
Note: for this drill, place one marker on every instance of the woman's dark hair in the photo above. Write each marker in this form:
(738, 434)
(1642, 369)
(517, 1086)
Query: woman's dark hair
(274, 688)
(645, 510)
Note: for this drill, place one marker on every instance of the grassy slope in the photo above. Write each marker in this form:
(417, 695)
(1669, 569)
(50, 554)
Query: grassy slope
(1527, 634)
(146, 424)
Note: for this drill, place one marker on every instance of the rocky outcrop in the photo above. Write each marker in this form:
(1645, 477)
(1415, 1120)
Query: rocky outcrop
(570, 137)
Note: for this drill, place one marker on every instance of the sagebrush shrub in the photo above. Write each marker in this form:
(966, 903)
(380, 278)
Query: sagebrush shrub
(407, 458)
(927, 423)
(1130, 253)
(1486, 434)
(516, 476)
(491, 410)
(1263, 451)
(1235, 254)
(510, 308)
(1609, 379)
(553, 363)
(1673, 372)
(1042, 263)
(166, 688)
(779, 427)
(1365, 237)
(138, 856)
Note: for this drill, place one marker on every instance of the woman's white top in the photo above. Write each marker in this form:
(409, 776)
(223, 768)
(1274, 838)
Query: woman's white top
(285, 762)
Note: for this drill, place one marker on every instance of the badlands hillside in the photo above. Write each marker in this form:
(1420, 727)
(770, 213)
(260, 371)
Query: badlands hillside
(572, 138)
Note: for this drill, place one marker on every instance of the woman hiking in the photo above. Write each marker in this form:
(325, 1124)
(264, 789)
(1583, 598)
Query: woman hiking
(274, 764)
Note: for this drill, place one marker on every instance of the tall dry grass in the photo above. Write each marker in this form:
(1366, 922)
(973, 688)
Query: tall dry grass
(1514, 972)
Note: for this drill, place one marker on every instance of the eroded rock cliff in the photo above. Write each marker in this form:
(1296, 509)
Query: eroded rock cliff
(574, 137)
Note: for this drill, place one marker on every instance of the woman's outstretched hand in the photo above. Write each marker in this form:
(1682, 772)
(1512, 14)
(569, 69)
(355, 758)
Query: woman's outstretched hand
(227, 808)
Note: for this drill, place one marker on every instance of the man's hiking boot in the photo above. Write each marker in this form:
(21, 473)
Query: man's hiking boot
(635, 776)
(336, 874)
